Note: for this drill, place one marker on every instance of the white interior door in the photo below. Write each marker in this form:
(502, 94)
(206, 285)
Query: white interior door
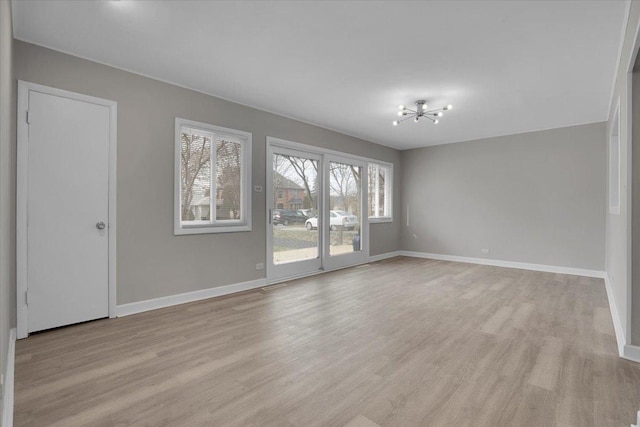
(67, 210)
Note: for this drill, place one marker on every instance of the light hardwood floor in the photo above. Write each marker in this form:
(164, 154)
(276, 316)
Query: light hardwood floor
(402, 342)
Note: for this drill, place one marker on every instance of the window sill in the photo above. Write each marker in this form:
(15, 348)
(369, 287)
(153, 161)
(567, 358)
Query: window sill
(211, 230)
(379, 220)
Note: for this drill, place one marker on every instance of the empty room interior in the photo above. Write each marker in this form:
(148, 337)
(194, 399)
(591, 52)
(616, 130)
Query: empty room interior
(319, 213)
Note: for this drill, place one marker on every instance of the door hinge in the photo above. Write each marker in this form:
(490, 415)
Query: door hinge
(26, 297)
(28, 121)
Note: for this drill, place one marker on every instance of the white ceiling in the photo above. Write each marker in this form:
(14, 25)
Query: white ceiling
(507, 67)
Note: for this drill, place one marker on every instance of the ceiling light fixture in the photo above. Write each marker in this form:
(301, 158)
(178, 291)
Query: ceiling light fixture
(420, 112)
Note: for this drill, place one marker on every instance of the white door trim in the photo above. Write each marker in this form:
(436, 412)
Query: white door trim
(292, 145)
(22, 196)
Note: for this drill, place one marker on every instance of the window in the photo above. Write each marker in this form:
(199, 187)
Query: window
(213, 179)
(380, 187)
(614, 164)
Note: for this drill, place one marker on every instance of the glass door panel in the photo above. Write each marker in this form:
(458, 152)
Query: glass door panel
(345, 208)
(346, 226)
(294, 215)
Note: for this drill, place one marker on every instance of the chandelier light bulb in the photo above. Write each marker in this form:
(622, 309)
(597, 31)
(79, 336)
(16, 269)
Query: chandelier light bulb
(440, 114)
(395, 123)
(449, 107)
(401, 107)
(416, 119)
(400, 113)
(435, 122)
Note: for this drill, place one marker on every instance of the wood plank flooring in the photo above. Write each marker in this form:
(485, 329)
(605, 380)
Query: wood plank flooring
(402, 342)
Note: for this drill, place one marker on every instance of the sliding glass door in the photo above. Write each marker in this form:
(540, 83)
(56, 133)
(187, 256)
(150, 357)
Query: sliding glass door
(315, 212)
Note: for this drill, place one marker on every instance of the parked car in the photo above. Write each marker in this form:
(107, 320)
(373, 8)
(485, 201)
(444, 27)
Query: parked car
(309, 213)
(288, 216)
(337, 219)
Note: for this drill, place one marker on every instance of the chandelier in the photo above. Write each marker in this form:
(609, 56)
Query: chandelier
(422, 110)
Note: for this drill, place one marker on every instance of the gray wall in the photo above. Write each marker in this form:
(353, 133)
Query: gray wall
(618, 232)
(635, 211)
(152, 262)
(7, 182)
(535, 197)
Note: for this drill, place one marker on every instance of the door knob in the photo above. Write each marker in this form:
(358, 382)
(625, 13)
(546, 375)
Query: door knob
(101, 225)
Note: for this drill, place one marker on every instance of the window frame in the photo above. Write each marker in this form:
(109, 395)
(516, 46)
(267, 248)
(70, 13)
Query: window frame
(213, 225)
(388, 192)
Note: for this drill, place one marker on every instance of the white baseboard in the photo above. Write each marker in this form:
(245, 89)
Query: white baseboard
(617, 323)
(386, 255)
(7, 399)
(626, 351)
(509, 264)
(168, 301)
(162, 302)
(631, 352)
